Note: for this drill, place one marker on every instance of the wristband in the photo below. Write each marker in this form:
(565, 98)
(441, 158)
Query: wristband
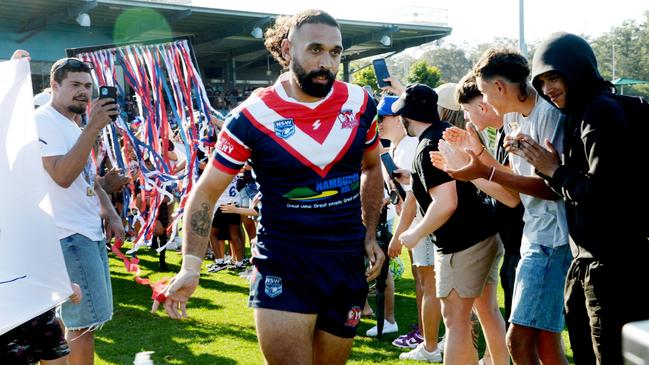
(481, 151)
(491, 175)
(191, 263)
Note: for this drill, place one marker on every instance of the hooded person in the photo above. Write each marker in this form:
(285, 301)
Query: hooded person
(608, 240)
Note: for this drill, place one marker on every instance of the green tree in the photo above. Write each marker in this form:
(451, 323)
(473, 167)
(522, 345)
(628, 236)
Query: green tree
(365, 76)
(497, 42)
(627, 45)
(501, 43)
(421, 72)
(451, 61)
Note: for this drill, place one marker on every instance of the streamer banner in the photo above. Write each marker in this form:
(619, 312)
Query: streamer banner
(171, 103)
(33, 277)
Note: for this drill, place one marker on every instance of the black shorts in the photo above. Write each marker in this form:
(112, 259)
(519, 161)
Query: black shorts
(223, 220)
(302, 280)
(163, 214)
(40, 338)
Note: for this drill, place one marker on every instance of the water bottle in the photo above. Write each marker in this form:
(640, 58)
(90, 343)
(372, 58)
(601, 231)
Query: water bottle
(143, 358)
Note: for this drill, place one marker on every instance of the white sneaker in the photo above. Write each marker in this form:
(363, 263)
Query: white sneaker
(441, 343)
(420, 354)
(387, 328)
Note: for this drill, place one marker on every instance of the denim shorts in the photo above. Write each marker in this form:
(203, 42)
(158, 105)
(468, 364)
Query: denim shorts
(538, 288)
(247, 194)
(87, 264)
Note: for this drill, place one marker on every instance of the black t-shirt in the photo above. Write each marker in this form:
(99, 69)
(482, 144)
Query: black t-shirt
(473, 219)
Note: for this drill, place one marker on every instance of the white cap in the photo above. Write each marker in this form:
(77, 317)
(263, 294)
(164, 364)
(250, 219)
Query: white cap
(446, 96)
(42, 99)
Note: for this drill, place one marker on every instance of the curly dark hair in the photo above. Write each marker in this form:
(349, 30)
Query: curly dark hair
(283, 25)
(505, 63)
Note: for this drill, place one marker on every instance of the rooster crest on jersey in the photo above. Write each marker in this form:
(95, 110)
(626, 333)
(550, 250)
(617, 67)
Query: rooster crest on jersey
(284, 128)
(347, 120)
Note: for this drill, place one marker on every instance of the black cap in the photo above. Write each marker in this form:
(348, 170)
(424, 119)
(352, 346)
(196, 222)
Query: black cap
(418, 102)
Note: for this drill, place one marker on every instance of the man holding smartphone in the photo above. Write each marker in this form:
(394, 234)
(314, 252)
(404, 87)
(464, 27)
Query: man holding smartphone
(78, 203)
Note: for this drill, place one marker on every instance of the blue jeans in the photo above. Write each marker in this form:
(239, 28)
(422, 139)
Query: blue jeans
(87, 264)
(247, 194)
(508, 279)
(538, 287)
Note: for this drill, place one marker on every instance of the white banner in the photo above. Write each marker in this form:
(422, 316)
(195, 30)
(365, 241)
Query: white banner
(33, 277)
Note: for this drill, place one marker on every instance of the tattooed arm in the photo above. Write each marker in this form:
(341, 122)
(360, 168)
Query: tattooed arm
(200, 210)
(196, 232)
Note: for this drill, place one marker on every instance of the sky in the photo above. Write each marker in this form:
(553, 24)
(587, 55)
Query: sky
(473, 21)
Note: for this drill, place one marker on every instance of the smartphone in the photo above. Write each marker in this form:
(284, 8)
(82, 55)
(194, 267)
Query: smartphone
(381, 72)
(389, 164)
(108, 92)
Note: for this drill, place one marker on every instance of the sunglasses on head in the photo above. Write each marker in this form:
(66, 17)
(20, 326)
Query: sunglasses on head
(73, 63)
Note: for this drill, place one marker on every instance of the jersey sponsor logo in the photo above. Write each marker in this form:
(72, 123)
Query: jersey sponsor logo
(347, 120)
(273, 286)
(325, 188)
(353, 316)
(284, 128)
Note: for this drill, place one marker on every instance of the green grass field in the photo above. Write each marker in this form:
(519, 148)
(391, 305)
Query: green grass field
(221, 328)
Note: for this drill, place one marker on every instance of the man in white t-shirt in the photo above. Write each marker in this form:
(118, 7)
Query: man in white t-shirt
(536, 319)
(78, 203)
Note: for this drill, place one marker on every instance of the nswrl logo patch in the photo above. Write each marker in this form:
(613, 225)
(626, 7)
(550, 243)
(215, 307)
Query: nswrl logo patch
(284, 128)
(273, 286)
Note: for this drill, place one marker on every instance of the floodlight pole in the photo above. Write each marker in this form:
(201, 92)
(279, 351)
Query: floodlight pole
(521, 28)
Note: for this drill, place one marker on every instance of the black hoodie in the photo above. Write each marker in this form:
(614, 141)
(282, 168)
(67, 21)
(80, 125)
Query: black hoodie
(602, 175)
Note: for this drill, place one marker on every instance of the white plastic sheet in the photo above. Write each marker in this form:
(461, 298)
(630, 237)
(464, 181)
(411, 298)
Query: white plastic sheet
(33, 277)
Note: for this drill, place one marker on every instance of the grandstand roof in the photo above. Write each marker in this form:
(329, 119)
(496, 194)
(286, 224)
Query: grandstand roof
(216, 33)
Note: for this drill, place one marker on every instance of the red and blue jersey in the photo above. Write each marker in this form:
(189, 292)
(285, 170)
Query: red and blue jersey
(307, 158)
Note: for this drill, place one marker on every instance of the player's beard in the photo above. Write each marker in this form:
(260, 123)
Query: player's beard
(306, 83)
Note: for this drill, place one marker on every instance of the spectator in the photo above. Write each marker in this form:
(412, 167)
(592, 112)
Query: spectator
(509, 214)
(78, 202)
(447, 207)
(501, 76)
(608, 235)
